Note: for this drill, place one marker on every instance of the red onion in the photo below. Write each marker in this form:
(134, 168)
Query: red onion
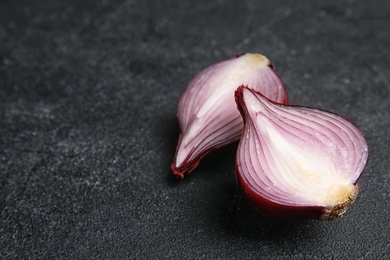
(297, 162)
(208, 116)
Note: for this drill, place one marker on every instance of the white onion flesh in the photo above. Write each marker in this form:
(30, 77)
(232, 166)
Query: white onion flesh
(207, 113)
(297, 156)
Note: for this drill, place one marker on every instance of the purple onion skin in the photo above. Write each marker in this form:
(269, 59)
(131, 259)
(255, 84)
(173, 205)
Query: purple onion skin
(281, 211)
(190, 165)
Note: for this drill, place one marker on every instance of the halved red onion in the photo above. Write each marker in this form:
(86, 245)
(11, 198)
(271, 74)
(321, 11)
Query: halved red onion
(297, 162)
(207, 113)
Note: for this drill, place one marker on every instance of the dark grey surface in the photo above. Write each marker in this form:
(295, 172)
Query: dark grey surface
(88, 96)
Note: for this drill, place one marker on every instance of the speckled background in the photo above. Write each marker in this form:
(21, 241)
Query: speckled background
(88, 128)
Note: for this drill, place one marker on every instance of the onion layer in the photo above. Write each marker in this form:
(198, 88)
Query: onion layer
(207, 114)
(297, 162)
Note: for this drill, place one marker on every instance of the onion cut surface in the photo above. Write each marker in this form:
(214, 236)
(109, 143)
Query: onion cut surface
(297, 162)
(207, 113)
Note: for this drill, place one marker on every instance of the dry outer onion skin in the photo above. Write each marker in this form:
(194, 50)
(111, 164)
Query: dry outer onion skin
(207, 113)
(297, 162)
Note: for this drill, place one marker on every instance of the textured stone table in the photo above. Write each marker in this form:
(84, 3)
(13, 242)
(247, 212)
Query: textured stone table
(88, 128)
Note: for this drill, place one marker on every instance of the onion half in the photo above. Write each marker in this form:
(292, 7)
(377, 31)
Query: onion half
(207, 113)
(297, 162)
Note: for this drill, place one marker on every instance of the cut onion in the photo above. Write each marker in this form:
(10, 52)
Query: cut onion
(297, 162)
(208, 116)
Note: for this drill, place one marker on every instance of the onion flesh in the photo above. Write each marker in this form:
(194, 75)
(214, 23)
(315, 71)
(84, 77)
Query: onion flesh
(297, 162)
(207, 113)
